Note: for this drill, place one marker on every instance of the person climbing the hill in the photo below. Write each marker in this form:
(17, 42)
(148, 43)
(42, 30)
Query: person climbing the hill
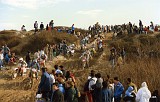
(28, 59)
(35, 68)
(42, 59)
(22, 66)
(83, 60)
(119, 61)
(112, 60)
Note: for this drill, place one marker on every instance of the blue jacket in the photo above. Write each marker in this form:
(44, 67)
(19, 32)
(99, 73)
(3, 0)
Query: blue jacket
(45, 84)
(129, 91)
(61, 88)
(118, 90)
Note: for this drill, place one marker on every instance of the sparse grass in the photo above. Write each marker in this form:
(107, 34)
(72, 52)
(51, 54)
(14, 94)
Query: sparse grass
(144, 69)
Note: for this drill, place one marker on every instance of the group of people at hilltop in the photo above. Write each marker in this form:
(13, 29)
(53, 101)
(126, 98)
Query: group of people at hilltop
(49, 27)
(124, 28)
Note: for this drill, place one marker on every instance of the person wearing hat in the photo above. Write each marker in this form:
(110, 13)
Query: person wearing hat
(45, 85)
(118, 90)
(21, 66)
(35, 68)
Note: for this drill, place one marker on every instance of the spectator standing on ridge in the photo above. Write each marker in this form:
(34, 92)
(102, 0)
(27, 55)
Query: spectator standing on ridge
(47, 27)
(51, 24)
(23, 28)
(41, 26)
(140, 27)
(118, 90)
(143, 94)
(72, 29)
(35, 27)
(130, 28)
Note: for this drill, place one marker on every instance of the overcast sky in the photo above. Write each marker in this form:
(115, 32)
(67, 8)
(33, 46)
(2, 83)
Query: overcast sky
(15, 13)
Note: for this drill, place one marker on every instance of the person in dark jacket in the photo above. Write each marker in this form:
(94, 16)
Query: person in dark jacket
(41, 26)
(71, 92)
(98, 88)
(45, 84)
(28, 59)
(63, 70)
(57, 94)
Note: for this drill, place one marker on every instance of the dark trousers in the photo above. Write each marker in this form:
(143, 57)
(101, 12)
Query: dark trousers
(45, 95)
(117, 99)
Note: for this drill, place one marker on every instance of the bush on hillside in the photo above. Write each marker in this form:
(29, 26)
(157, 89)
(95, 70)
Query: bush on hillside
(40, 40)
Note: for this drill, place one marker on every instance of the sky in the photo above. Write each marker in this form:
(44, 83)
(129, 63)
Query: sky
(81, 13)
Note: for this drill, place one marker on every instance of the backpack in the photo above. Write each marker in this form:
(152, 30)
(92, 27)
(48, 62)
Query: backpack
(86, 85)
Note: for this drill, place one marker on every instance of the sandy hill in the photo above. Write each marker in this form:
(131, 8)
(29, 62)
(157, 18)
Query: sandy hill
(139, 68)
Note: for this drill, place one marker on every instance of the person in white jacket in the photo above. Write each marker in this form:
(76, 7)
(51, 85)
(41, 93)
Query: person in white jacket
(143, 94)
